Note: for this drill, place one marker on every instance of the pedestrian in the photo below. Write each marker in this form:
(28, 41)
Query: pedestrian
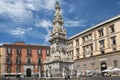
(68, 77)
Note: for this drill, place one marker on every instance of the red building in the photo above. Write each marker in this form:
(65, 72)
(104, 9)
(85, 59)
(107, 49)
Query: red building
(24, 59)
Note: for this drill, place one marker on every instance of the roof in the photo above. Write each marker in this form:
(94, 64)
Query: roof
(22, 44)
(102, 23)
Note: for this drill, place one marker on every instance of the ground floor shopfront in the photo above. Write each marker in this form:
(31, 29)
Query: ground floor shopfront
(96, 64)
(28, 71)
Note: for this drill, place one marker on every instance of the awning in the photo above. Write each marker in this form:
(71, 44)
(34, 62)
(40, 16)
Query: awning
(107, 70)
(115, 70)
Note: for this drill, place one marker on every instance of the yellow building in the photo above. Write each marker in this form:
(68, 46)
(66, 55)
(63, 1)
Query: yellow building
(97, 48)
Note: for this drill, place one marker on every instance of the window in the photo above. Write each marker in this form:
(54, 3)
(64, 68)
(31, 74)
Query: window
(18, 51)
(47, 52)
(77, 52)
(39, 61)
(114, 49)
(87, 38)
(102, 44)
(115, 63)
(113, 40)
(100, 32)
(29, 51)
(9, 51)
(18, 69)
(18, 60)
(77, 42)
(84, 66)
(70, 44)
(88, 48)
(90, 36)
(8, 60)
(8, 68)
(112, 28)
(39, 51)
(93, 65)
(71, 53)
(28, 60)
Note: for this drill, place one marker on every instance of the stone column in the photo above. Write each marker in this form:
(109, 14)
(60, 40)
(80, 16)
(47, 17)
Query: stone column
(63, 73)
(48, 73)
(45, 74)
(39, 71)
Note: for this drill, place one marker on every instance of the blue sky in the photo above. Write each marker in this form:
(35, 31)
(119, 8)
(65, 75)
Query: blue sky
(31, 20)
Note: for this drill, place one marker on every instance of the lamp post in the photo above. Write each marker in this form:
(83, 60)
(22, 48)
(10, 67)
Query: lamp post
(85, 69)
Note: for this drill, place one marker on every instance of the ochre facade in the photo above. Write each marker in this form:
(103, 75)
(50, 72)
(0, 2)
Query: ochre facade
(97, 48)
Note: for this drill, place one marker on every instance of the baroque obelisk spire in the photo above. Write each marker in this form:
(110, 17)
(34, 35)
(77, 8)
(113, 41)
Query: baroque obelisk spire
(58, 61)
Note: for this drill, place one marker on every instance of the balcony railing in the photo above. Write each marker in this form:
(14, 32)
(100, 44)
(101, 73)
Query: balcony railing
(9, 63)
(19, 62)
(29, 63)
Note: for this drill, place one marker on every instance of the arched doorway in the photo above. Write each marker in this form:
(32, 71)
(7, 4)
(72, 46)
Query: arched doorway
(28, 72)
(103, 67)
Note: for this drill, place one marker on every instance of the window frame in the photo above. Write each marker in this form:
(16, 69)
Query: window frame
(115, 63)
(113, 40)
(29, 51)
(29, 60)
(8, 60)
(9, 51)
(18, 51)
(101, 32)
(103, 43)
(18, 60)
(39, 51)
(47, 52)
(18, 68)
(112, 28)
(8, 69)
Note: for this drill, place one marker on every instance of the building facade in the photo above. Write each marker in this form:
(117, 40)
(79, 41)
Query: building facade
(58, 64)
(22, 59)
(97, 48)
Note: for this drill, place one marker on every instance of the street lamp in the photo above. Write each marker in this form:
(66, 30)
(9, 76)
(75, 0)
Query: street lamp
(85, 69)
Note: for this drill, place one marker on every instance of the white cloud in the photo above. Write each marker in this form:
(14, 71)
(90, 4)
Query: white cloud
(48, 4)
(45, 23)
(22, 9)
(19, 31)
(16, 10)
(75, 23)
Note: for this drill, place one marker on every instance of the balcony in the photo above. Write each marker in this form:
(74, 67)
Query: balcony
(18, 63)
(9, 62)
(18, 54)
(9, 54)
(29, 63)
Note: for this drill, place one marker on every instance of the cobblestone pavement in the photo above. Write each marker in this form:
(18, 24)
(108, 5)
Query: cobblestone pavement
(81, 78)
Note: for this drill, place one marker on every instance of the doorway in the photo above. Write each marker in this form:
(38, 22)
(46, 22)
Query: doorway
(28, 72)
(103, 67)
